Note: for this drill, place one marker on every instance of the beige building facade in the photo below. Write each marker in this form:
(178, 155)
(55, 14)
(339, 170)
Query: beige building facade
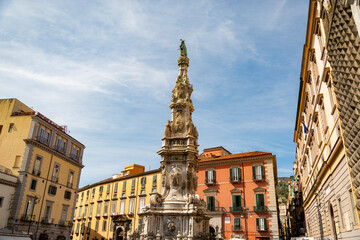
(119, 198)
(47, 162)
(326, 126)
(8, 183)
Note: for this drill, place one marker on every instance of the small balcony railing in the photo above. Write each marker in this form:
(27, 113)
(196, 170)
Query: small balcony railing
(235, 180)
(74, 156)
(236, 209)
(47, 220)
(43, 140)
(260, 209)
(64, 223)
(210, 181)
(216, 209)
(28, 218)
(36, 172)
(258, 177)
(54, 179)
(60, 149)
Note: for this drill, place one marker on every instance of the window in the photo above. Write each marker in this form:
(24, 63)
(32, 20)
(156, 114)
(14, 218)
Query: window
(55, 174)
(98, 210)
(236, 203)
(91, 209)
(64, 214)
(104, 226)
(88, 227)
(85, 211)
(37, 165)
(234, 174)
(74, 152)
(80, 211)
(33, 184)
(108, 189)
(1, 201)
(237, 224)
(260, 202)
(87, 194)
(124, 186)
(17, 162)
(106, 208)
(1, 126)
(261, 224)
(210, 203)
(113, 207)
(97, 225)
(133, 184)
(154, 190)
(131, 207)
(210, 176)
(52, 190)
(93, 192)
(82, 228)
(154, 181)
(77, 228)
(116, 185)
(101, 190)
(141, 203)
(258, 172)
(70, 179)
(122, 207)
(47, 213)
(29, 207)
(143, 182)
(11, 127)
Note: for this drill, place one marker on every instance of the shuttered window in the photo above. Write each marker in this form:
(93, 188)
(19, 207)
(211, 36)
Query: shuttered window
(236, 202)
(210, 203)
(237, 224)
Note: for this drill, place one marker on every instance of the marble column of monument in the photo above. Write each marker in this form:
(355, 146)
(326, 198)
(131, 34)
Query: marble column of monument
(178, 213)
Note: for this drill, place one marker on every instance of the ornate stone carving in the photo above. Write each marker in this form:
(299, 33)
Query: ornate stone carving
(175, 176)
(171, 226)
(183, 50)
(178, 122)
(167, 131)
(155, 199)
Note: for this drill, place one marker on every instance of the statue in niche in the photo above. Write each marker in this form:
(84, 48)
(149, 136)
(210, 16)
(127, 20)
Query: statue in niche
(175, 177)
(178, 123)
(183, 50)
(189, 127)
(167, 129)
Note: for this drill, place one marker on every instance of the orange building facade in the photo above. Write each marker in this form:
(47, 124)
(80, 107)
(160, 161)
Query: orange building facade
(240, 193)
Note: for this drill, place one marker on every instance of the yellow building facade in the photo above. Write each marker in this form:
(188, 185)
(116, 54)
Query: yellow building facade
(47, 162)
(119, 198)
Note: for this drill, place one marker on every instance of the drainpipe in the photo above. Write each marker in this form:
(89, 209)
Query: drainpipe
(245, 212)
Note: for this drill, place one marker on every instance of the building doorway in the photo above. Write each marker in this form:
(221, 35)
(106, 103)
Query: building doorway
(119, 234)
(212, 233)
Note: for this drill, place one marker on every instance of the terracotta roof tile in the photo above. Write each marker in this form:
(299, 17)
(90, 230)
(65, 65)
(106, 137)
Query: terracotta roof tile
(236, 155)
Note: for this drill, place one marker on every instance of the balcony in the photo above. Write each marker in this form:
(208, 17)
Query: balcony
(55, 179)
(209, 181)
(74, 156)
(235, 180)
(236, 209)
(258, 177)
(60, 149)
(36, 172)
(216, 209)
(42, 140)
(260, 209)
(64, 223)
(28, 218)
(47, 220)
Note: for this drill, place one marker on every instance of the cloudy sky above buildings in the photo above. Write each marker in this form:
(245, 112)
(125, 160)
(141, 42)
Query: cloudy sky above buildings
(106, 70)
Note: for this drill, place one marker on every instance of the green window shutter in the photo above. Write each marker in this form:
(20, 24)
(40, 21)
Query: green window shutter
(214, 176)
(238, 170)
(262, 172)
(257, 200)
(206, 176)
(265, 227)
(239, 200)
(208, 203)
(233, 201)
(254, 173)
(231, 174)
(261, 200)
(257, 223)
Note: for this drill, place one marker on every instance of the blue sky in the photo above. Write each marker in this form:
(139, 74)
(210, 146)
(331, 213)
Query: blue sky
(106, 70)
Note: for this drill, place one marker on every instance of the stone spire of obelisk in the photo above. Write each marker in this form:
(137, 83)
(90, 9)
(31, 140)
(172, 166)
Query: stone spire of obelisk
(177, 213)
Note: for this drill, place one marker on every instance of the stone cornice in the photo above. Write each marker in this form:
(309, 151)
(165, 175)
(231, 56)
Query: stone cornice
(9, 183)
(52, 151)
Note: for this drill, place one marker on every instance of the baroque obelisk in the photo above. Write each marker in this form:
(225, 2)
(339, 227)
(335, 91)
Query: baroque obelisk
(178, 213)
